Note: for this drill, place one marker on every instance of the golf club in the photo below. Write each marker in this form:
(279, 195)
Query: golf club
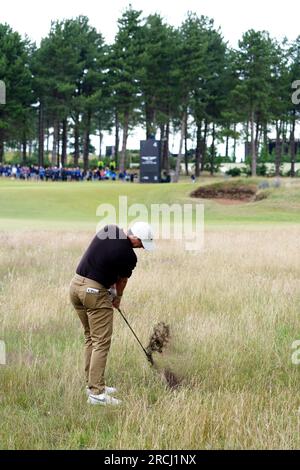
(148, 355)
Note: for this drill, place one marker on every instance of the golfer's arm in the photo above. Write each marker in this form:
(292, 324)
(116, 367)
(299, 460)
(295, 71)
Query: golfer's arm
(120, 285)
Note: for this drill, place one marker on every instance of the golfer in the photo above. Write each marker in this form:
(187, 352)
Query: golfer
(107, 264)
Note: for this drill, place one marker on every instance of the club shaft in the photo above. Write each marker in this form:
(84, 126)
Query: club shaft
(127, 323)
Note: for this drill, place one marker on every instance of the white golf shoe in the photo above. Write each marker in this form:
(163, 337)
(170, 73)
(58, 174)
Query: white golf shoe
(108, 390)
(103, 399)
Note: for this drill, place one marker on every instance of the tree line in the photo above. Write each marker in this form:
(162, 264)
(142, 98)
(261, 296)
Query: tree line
(186, 79)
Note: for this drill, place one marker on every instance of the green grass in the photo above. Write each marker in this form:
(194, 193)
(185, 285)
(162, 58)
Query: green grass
(32, 205)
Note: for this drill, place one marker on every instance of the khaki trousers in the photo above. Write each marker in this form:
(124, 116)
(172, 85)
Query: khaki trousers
(95, 311)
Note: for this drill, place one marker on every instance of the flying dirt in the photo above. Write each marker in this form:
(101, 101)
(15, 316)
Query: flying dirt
(158, 342)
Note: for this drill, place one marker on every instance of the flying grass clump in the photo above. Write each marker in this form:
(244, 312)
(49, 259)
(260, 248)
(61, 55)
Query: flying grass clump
(159, 340)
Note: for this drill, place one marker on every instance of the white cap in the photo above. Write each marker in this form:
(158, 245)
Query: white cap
(144, 232)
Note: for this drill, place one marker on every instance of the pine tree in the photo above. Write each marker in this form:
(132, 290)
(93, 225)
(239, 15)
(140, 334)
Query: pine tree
(16, 114)
(125, 63)
(254, 87)
(294, 75)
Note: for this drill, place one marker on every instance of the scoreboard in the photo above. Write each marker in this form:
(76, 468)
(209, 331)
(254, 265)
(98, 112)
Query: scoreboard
(150, 165)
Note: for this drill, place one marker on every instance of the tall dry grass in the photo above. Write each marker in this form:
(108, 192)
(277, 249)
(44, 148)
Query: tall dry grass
(233, 312)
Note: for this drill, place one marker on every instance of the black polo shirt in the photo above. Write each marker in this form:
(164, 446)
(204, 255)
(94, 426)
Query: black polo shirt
(109, 257)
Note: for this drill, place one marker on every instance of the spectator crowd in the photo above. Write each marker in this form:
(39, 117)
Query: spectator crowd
(53, 173)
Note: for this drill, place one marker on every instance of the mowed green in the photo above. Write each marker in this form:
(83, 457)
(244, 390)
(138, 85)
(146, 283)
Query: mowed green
(233, 310)
(32, 205)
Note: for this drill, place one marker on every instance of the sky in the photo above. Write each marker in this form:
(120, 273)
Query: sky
(33, 17)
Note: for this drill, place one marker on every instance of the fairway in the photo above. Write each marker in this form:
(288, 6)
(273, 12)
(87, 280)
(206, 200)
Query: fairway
(233, 310)
(32, 205)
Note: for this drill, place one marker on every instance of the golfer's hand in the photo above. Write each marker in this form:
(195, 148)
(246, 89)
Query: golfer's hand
(116, 302)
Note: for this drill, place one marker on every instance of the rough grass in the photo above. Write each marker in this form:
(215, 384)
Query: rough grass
(233, 311)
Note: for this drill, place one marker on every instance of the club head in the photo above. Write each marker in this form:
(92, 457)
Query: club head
(150, 358)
